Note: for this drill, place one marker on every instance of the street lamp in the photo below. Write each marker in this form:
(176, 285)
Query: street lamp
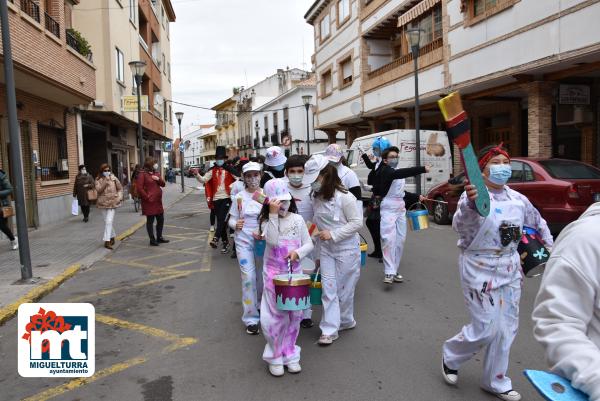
(179, 116)
(138, 68)
(257, 130)
(413, 37)
(306, 99)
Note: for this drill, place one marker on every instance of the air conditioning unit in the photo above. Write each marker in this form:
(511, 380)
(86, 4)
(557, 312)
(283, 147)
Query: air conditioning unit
(567, 114)
(62, 165)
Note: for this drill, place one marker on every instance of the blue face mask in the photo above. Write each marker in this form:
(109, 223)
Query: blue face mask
(500, 173)
(220, 162)
(278, 168)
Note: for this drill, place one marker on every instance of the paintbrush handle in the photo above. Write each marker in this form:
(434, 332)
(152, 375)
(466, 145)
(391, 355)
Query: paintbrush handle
(473, 172)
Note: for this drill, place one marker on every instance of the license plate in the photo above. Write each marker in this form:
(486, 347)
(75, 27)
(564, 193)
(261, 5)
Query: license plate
(597, 197)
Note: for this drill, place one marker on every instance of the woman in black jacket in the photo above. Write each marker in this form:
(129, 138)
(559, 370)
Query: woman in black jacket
(5, 191)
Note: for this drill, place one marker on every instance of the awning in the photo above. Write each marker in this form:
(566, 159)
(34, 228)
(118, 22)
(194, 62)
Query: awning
(416, 11)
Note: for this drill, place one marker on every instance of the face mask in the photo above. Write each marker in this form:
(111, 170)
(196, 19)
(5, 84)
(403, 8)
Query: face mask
(83, 171)
(278, 168)
(106, 173)
(296, 179)
(316, 186)
(220, 162)
(283, 209)
(252, 182)
(392, 162)
(155, 167)
(499, 174)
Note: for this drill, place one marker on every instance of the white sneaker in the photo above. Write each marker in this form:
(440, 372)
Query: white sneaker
(14, 244)
(348, 327)
(212, 229)
(398, 278)
(327, 340)
(388, 279)
(276, 370)
(450, 376)
(294, 367)
(510, 395)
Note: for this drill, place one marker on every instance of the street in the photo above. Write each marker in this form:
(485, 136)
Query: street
(168, 327)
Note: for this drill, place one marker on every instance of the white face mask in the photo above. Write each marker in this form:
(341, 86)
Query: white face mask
(295, 179)
(283, 208)
(155, 167)
(83, 171)
(106, 173)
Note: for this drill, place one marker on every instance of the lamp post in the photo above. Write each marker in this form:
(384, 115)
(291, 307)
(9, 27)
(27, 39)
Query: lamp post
(257, 130)
(414, 39)
(306, 99)
(138, 68)
(179, 116)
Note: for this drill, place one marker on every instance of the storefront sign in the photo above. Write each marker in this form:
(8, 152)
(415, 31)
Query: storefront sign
(129, 103)
(574, 94)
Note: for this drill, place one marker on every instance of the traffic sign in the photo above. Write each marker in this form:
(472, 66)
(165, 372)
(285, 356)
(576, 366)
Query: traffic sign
(181, 147)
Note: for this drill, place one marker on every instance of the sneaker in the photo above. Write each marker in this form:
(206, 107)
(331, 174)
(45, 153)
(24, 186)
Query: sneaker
(276, 370)
(306, 323)
(294, 367)
(214, 243)
(398, 278)
(388, 279)
(212, 229)
(252, 329)
(14, 244)
(450, 375)
(348, 327)
(327, 340)
(510, 395)
(225, 248)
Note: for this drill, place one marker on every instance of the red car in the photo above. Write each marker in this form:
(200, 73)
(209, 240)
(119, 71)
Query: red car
(560, 189)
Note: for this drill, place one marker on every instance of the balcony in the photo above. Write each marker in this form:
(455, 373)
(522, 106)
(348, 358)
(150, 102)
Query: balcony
(429, 54)
(78, 43)
(31, 9)
(52, 25)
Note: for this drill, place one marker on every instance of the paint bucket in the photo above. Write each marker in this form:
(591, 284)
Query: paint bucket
(534, 254)
(315, 289)
(259, 247)
(418, 219)
(292, 292)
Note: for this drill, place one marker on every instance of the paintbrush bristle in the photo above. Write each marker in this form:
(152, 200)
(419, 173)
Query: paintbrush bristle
(451, 106)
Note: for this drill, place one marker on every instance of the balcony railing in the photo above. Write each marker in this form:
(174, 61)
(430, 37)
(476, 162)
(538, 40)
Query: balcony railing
(52, 25)
(407, 58)
(75, 44)
(31, 9)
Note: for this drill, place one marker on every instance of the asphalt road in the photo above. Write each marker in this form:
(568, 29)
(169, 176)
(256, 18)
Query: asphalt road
(168, 328)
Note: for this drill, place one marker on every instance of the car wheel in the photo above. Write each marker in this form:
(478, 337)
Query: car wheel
(440, 212)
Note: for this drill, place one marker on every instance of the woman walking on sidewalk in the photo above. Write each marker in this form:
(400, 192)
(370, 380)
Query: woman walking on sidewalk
(83, 183)
(110, 196)
(148, 184)
(5, 191)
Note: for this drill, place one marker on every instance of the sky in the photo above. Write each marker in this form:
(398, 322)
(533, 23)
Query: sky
(220, 44)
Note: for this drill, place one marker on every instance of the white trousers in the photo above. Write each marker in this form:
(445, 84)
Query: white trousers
(393, 236)
(109, 229)
(339, 274)
(494, 325)
(252, 285)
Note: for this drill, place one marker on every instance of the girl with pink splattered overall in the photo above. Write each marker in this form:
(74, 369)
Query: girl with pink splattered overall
(287, 239)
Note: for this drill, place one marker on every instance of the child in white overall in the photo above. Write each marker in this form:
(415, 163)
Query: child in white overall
(490, 271)
(287, 239)
(243, 218)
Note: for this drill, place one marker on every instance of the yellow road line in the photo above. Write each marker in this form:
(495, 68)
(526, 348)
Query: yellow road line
(131, 230)
(38, 292)
(138, 245)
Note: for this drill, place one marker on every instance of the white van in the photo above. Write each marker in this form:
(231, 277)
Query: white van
(435, 150)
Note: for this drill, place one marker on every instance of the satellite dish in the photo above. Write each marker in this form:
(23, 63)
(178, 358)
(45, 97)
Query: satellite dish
(356, 108)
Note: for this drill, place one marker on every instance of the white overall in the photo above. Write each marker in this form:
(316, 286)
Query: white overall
(340, 267)
(491, 282)
(249, 264)
(393, 227)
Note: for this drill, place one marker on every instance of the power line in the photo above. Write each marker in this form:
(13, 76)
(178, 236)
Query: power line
(231, 111)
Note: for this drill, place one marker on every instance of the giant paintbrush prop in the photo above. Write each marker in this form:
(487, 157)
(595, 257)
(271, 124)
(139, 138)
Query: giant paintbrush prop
(459, 131)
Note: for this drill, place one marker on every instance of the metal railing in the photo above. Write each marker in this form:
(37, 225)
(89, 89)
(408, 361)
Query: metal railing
(52, 25)
(73, 43)
(407, 58)
(31, 8)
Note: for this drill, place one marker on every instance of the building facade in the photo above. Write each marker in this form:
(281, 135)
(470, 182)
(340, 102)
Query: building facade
(122, 32)
(527, 69)
(209, 146)
(48, 103)
(226, 124)
(193, 144)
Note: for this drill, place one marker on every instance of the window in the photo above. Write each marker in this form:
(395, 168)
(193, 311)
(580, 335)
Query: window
(53, 153)
(481, 6)
(343, 7)
(431, 37)
(326, 84)
(169, 71)
(478, 10)
(132, 8)
(164, 63)
(325, 27)
(266, 139)
(346, 71)
(120, 65)
(517, 172)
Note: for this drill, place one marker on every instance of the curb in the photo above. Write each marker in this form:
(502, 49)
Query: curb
(36, 293)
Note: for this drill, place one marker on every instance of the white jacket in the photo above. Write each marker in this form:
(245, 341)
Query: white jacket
(567, 307)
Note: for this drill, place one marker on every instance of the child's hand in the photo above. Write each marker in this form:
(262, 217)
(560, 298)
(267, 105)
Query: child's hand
(428, 167)
(240, 224)
(471, 192)
(257, 236)
(325, 235)
(293, 256)
(274, 206)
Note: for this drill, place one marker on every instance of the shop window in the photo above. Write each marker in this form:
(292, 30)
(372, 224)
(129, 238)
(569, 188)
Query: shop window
(325, 27)
(346, 72)
(53, 153)
(326, 84)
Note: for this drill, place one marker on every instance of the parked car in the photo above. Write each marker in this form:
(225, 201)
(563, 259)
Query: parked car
(191, 171)
(560, 189)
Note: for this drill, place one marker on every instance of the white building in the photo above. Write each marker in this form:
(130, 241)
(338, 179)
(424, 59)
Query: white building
(193, 144)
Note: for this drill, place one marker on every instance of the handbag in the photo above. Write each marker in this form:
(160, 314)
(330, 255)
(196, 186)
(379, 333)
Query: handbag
(92, 195)
(7, 211)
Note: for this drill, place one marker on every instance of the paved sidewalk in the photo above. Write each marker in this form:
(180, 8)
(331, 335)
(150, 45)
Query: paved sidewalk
(57, 247)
